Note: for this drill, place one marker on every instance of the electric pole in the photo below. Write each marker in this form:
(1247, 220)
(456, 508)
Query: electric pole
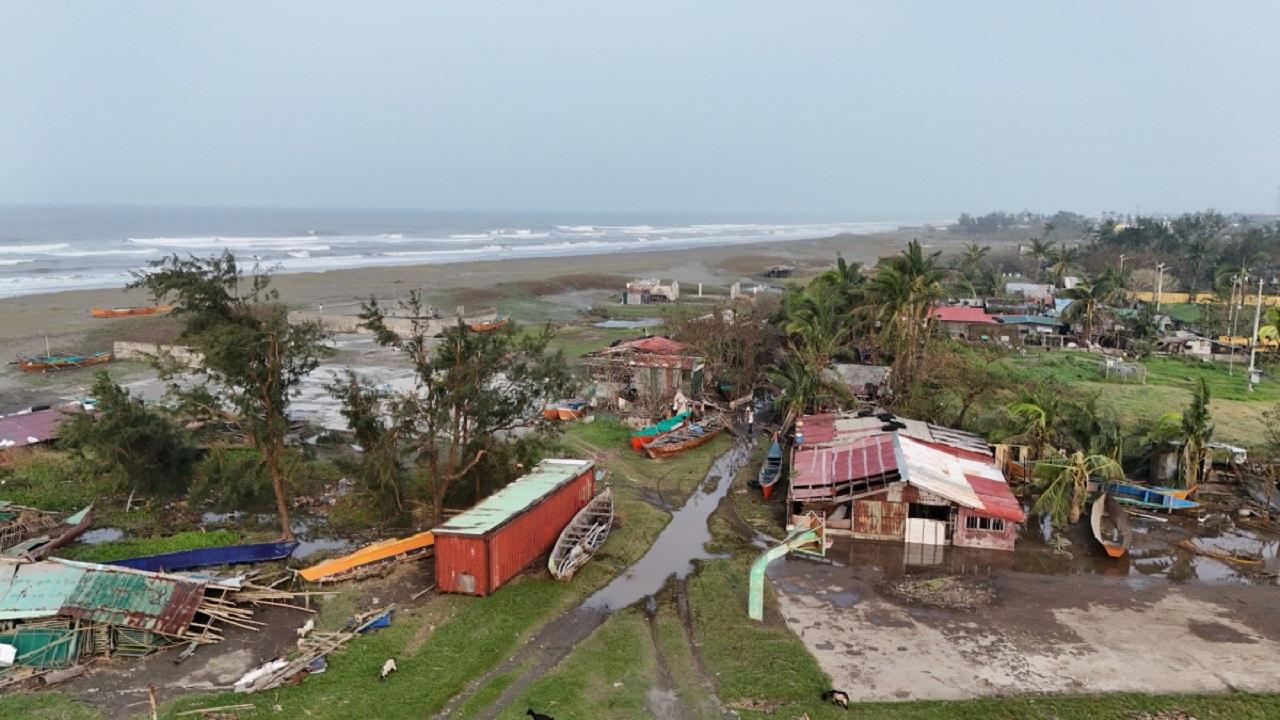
(1253, 349)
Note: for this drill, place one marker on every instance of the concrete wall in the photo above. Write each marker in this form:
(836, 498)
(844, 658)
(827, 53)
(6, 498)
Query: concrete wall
(964, 536)
(350, 323)
(147, 351)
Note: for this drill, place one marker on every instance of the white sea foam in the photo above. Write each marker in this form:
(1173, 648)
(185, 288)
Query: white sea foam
(31, 249)
(18, 261)
(97, 253)
(197, 243)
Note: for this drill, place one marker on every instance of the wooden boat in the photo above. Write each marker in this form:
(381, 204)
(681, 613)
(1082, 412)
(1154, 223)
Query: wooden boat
(130, 311)
(686, 438)
(582, 537)
(46, 363)
(645, 435)
(64, 532)
(489, 325)
(771, 470)
(19, 523)
(1110, 524)
(565, 411)
(210, 556)
(1147, 497)
(371, 559)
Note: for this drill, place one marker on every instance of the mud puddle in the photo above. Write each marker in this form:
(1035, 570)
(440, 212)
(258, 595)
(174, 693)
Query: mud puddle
(678, 546)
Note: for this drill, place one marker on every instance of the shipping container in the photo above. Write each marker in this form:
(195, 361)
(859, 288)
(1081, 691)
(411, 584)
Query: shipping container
(481, 549)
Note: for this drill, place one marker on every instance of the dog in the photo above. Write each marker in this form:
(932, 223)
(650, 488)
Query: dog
(537, 715)
(837, 697)
(388, 667)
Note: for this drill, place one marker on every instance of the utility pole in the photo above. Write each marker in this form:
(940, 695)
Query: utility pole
(1253, 349)
(1233, 315)
(1122, 257)
(1159, 284)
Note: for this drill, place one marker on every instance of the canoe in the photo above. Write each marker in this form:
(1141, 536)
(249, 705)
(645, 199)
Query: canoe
(371, 559)
(582, 537)
(686, 438)
(130, 311)
(45, 363)
(488, 326)
(19, 523)
(645, 435)
(565, 411)
(37, 548)
(771, 470)
(210, 556)
(1110, 524)
(1147, 497)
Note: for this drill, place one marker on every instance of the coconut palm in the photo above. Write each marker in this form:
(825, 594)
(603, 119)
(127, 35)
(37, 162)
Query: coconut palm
(1197, 256)
(803, 387)
(845, 279)
(1089, 298)
(971, 257)
(1039, 249)
(1035, 419)
(1063, 261)
(1064, 484)
(901, 296)
(1196, 431)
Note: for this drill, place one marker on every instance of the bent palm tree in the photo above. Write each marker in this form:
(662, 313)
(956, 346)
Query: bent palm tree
(1064, 484)
(1196, 431)
(901, 296)
(1088, 300)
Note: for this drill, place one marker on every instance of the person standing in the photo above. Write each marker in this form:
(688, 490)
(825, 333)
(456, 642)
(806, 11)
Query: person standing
(751, 421)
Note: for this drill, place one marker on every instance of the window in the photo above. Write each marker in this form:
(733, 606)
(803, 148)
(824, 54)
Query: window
(973, 522)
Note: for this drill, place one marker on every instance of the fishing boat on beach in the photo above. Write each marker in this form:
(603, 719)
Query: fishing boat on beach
(489, 325)
(771, 469)
(645, 435)
(36, 548)
(130, 311)
(371, 559)
(582, 537)
(211, 556)
(46, 363)
(686, 438)
(1148, 497)
(1110, 524)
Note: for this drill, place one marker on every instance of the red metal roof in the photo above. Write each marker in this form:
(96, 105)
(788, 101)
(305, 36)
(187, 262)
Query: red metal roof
(816, 470)
(997, 499)
(963, 315)
(656, 344)
(30, 428)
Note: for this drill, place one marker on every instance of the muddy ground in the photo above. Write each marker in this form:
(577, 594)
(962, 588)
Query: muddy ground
(1043, 633)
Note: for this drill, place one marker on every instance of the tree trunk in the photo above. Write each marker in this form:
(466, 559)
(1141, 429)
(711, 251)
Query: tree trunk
(277, 486)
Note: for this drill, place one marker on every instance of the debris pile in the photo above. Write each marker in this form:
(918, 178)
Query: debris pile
(953, 592)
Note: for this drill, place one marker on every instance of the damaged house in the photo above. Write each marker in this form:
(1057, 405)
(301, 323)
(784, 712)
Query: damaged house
(644, 378)
(903, 481)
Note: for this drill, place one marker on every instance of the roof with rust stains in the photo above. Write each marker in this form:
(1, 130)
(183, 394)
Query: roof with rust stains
(514, 499)
(29, 428)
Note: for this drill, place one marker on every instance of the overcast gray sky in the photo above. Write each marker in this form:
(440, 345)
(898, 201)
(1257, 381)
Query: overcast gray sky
(844, 108)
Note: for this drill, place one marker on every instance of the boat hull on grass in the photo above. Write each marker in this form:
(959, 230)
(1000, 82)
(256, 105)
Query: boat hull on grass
(686, 438)
(770, 470)
(646, 435)
(211, 556)
(37, 548)
(1147, 497)
(582, 537)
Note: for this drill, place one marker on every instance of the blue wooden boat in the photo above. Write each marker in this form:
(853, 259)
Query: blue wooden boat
(1147, 497)
(206, 557)
(771, 470)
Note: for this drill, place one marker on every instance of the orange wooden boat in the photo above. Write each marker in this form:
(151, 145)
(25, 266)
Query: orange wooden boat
(686, 438)
(370, 558)
(46, 363)
(130, 311)
(488, 326)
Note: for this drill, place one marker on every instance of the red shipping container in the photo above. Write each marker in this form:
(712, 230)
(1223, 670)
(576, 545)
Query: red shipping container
(481, 549)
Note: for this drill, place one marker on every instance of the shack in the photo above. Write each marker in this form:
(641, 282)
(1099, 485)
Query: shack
(650, 291)
(965, 323)
(29, 427)
(641, 378)
(866, 382)
(481, 549)
(899, 480)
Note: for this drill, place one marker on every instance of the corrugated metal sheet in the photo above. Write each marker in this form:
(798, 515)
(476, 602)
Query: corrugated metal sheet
(831, 429)
(514, 499)
(816, 471)
(146, 601)
(29, 428)
(36, 590)
(880, 518)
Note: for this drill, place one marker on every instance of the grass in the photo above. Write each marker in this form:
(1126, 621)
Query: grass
(138, 547)
(578, 340)
(609, 441)
(45, 706)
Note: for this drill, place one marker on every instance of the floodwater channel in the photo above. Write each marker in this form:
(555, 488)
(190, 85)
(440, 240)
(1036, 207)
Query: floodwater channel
(673, 554)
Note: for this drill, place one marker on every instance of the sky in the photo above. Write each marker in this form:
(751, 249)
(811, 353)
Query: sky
(838, 108)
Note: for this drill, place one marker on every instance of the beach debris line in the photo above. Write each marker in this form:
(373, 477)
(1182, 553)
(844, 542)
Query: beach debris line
(582, 537)
(312, 658)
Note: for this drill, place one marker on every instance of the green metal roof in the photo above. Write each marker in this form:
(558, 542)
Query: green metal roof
(1028, 320)
(510, 501)
(36, 590)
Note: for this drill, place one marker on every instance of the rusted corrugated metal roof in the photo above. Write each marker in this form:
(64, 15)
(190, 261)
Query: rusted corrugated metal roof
(816, 471)
(515, 498)
(963, 315)
(35, 590)
(29, 428)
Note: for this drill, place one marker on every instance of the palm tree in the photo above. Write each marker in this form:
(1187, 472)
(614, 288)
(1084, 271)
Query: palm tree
(1095, 430)
(803, 386)
(1064, 260)
(1035, 418)
(901, 296)
(1064, 484)
(1088, 299)
(1197, 255)
(971, 257)
(845, 277)
(1196, 431)
(1039, 249)
(818, 325)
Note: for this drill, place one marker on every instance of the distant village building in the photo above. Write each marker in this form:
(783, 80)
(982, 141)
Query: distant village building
(1019, 330)
(865, 382)
(903, 481)
(644, 378)
(646, 292)
(1036, 292)
(28, 428)
(965, 323)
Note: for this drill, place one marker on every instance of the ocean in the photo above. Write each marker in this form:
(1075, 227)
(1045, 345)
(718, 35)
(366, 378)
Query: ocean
(47, 249)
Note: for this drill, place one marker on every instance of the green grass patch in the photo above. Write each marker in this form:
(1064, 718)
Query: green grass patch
(492, 690)
(52, 480)
(138, 547)
(50, 705)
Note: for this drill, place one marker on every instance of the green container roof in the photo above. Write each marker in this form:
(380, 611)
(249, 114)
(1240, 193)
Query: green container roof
(36, 590)
(514, 499)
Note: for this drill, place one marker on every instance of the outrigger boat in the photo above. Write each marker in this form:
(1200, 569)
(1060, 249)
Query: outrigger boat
(130, 311)
(645, 435)
(1110, 524)
(36, 548)
(571, 410)
(582, 537)
(45, 363)
(371, 559)
(1147, 497)
(211, 556)
(489, 325)
(686, 438)
(771, 470)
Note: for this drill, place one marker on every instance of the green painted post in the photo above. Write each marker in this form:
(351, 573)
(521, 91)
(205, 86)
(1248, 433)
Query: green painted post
(755, 587)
